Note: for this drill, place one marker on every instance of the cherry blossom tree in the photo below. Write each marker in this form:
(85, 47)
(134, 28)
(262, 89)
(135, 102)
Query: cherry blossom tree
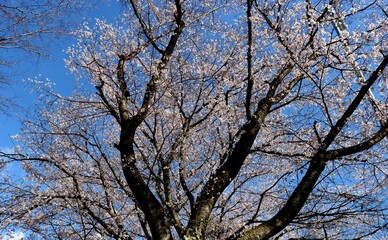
(212, 120)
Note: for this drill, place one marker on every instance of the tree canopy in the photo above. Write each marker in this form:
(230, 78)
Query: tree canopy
(28, 29)
(212, 120)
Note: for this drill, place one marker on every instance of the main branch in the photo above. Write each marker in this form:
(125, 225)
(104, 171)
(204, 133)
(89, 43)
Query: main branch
(317, 164)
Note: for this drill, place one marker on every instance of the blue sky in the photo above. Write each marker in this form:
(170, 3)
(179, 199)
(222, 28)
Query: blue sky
(52, 68)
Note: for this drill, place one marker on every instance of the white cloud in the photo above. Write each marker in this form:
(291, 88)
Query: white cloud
(13, 236)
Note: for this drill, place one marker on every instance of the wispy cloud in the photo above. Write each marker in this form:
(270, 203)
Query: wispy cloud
(6, 150)
(10, 167)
